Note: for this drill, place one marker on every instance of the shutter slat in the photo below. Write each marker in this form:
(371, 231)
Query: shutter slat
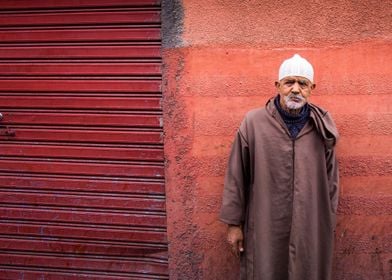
(85, 168)
(81, 200)
(82, 184)
(41, 4)
(109, 86)
(80, 35)
(86, 136)
(86, 119)
(69, 69)
(70, 246)
(95, 233)
(17, 272)
(76, 102)
(86, 52)
(83, 217)
(118, 264)
(78, 18)
(82, 152)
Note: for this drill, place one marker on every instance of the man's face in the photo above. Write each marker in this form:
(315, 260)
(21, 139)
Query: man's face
(294, 91)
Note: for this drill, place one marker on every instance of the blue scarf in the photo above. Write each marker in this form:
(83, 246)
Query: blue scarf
(294, 123)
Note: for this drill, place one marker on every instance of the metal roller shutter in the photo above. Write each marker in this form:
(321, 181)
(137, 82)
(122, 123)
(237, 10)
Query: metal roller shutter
(81, 156)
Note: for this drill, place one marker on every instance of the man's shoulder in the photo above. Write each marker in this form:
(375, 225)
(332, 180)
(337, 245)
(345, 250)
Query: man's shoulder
(255, 114)
(325, 125)
(318, 109)
(251, 120)
(321, 112)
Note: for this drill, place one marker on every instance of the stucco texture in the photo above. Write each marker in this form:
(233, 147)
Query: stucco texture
(223, 63)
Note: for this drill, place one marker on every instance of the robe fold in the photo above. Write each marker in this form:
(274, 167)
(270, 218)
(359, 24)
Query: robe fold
(284, 192)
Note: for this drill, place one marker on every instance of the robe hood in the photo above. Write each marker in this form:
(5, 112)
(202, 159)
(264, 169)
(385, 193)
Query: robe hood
(324, 125)
(322, 120)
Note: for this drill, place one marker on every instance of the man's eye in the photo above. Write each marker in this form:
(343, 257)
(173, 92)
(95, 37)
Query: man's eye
(303, 83)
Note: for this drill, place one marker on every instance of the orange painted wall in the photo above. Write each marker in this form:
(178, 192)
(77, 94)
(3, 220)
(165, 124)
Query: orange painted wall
(222, 63)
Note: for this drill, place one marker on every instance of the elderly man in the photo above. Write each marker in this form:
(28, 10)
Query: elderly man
(281, 186)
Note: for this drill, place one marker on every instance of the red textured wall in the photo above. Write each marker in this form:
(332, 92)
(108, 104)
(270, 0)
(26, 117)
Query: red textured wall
(223, 64)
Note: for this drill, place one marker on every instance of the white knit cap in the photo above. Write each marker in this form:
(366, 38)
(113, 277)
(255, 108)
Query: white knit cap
(296, 66)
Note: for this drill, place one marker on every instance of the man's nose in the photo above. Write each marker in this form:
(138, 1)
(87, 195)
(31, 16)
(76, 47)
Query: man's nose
(296, 88)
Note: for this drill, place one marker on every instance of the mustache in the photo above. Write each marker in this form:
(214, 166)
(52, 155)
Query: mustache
(297, 96)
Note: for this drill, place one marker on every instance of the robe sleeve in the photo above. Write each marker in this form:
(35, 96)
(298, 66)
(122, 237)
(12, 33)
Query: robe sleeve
(236, 182)
(333, 178)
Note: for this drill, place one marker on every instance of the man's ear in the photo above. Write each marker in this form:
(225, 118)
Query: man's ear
(313, 86)
(277, 85)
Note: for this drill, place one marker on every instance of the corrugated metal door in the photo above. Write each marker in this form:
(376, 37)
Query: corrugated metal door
(81, 156)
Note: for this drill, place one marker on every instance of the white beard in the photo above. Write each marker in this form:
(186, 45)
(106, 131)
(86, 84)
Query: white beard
(293, 105)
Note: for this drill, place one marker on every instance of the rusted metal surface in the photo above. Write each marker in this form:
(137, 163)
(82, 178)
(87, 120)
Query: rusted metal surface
(81, 153)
